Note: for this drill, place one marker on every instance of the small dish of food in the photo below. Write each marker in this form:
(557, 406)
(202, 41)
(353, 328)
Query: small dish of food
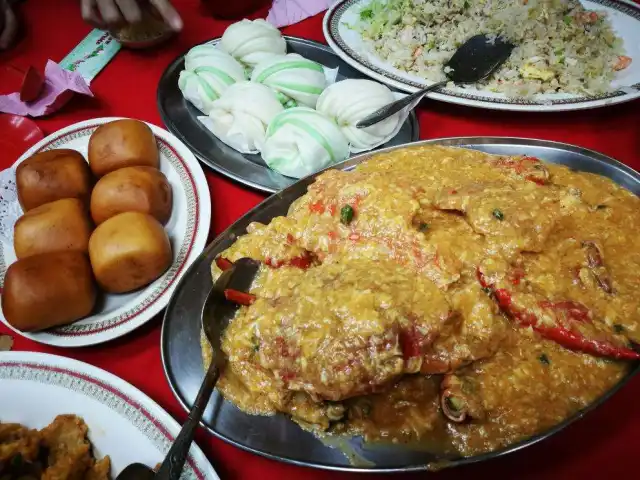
(149, 32)
(411, 304)
(113, 210)
(64, 419)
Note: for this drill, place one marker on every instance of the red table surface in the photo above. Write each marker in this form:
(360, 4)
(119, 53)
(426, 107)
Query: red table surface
(602, 444)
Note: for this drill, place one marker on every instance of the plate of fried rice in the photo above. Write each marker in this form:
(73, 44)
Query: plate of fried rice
(569, 54)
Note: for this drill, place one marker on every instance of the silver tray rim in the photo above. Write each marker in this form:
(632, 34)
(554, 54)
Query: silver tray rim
(237, 228)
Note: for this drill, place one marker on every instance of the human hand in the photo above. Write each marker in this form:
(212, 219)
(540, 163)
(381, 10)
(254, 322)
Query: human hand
(108, 13)
(8, 25)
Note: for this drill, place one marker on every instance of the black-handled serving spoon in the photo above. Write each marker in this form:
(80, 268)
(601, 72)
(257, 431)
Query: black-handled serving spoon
(216, 315)
(474, 60)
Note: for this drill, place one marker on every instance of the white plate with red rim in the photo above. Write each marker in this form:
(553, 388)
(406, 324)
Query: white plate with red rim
(123, 422)
(188, 228)
(348, 44)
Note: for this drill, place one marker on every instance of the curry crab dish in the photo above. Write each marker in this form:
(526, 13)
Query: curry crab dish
(437, 296)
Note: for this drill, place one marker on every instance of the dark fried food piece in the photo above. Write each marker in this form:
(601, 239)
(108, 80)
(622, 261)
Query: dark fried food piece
(60, 451)
(69, 450)
(16, 440)
(100, 470)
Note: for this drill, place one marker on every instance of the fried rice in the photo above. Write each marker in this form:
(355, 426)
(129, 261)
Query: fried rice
(560, 46)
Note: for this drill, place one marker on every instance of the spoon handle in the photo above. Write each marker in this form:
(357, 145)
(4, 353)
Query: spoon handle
(172, 466)
(385, 112)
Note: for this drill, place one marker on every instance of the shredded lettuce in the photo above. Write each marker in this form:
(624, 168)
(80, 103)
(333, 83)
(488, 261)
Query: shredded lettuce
(377, 15)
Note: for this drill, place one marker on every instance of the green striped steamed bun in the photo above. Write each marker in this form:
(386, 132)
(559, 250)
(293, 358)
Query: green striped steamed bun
(208, 73)
(293, 76)
(300, 141)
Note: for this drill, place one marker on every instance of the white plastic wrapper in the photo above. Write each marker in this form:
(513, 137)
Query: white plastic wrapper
(293, 76)
(301, 141)
(349, 101)
(241, 115)
(251, 42)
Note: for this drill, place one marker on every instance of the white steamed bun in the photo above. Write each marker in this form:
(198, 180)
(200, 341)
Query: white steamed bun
(300, 141)
(241, 115)
(293, 76)
(252, 41)
(349, 101)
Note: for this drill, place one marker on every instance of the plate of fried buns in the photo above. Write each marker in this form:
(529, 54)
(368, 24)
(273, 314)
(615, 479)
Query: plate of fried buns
(113, 212)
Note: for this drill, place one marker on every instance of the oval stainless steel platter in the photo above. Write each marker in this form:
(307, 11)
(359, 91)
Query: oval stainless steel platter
(278, 437)
(180, 118)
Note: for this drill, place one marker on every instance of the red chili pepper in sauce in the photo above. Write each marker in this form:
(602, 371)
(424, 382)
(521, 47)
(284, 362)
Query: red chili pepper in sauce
(573, 310)
(303, 261)
(317, 207)
(569, 339)
(223, 263)
(300, 262)
(241, 298)
(332, 209)
(536, 180)
(576, 341)
(270, 262)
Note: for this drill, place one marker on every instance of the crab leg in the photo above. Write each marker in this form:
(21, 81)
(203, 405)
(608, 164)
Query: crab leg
(457, 401)
(528, 168)
(596, 266)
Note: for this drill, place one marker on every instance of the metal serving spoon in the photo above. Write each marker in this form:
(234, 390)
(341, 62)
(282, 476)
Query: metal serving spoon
(474, 60)
(216, 315)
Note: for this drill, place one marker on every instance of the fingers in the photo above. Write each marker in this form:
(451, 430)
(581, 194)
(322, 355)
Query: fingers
(168, 13)
(109, 12)
(130, 10)
(90, 13)
(10, 29)
(103, 13)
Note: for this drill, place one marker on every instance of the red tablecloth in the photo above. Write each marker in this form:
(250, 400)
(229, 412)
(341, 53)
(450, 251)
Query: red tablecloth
(603, 444)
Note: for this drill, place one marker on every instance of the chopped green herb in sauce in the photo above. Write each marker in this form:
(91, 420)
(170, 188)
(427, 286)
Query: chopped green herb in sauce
(601, 207)
(423, 227)
(255, 342)
(16, 460)
(544, 359)
(346, 214)
(567, 20)
(618, 328)
(454, 404)
(498, 214)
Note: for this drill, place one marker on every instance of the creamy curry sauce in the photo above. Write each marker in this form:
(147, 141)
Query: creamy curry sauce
(439, 296)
